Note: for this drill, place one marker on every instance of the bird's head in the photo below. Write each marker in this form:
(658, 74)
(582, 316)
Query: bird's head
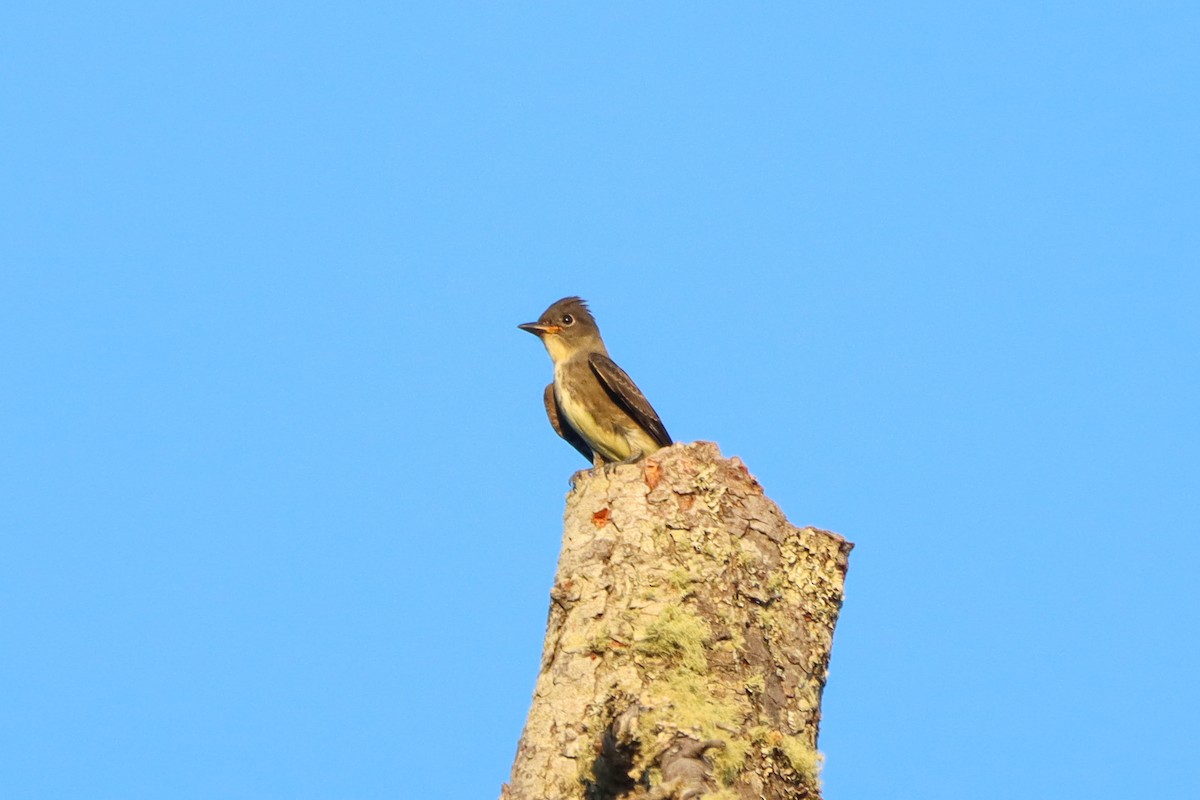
(565, 328)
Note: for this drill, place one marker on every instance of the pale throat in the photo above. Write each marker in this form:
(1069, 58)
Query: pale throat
(557, 348)
(560, 349)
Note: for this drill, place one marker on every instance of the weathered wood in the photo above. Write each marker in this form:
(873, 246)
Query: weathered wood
(688, 641)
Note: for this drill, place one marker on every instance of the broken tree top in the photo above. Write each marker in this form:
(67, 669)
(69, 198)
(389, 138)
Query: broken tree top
(688, 620)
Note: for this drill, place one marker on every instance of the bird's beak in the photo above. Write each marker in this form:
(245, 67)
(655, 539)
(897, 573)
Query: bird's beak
(538, 329)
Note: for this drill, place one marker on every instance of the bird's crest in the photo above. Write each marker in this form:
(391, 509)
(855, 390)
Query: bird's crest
(573, 304)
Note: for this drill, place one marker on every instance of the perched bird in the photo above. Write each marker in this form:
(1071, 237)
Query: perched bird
(592, 403)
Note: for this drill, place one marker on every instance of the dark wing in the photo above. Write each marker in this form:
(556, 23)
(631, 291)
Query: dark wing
(628, 396)
(560, 425)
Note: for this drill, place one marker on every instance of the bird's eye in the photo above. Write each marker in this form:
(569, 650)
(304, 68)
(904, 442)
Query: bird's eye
(568, 319)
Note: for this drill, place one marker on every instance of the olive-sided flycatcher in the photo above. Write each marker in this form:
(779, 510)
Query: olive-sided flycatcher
(592, 403)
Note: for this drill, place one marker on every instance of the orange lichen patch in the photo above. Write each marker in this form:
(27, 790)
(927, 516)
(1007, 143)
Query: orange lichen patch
(652, 473)
(601, 517)
(686, 500)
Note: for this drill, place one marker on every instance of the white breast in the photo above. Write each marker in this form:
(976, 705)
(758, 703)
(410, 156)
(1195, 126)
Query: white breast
(611, 444)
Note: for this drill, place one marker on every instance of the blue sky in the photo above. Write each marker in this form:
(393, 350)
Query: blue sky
(280, 508)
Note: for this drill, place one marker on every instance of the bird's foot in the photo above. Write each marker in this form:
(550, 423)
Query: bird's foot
(607, 467)
(602, 467)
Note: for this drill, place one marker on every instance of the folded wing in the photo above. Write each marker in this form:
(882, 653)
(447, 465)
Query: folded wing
(626, 394)
(560, 425)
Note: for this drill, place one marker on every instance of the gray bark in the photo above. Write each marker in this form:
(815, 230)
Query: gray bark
(688, 641)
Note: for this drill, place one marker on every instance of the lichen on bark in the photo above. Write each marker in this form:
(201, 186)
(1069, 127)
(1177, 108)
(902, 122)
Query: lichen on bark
(688, 640)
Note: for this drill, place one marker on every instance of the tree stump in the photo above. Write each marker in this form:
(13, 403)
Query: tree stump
(688, 641)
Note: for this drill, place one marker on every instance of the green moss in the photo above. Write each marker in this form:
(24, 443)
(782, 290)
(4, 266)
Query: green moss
(795, 751)
(802, 758)
(681, 580)
(691, 707)
(684, 702)
(760, 735)
(600, 641)
(728, 763)
(678, 637)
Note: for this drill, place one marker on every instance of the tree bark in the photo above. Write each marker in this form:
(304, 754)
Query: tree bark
(688, 640)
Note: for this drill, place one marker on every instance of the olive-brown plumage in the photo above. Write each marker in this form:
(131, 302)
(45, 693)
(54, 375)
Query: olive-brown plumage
(593, 403)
